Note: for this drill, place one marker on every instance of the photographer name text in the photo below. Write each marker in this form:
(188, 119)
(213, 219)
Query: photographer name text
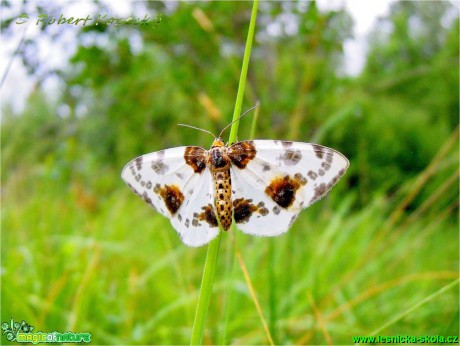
(44, 19)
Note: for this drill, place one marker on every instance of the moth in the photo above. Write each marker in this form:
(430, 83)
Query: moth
(261, 185)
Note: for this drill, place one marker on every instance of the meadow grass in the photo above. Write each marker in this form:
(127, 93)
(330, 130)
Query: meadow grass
(76, 260)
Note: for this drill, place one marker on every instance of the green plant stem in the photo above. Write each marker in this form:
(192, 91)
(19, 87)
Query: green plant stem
(244, 72)
(205, 290)
(213, 249)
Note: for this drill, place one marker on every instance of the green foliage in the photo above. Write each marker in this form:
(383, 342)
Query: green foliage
(80, 253)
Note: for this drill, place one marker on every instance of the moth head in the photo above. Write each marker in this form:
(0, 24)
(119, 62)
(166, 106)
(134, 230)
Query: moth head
(218, 143)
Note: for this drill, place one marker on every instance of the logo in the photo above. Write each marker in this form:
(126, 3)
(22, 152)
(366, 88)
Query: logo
(23, 332)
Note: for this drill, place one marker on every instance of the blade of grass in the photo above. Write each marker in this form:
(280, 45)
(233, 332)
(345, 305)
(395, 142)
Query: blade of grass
(254, 297)
(213, 249)
(320, 319)
(255, 118)
(244, 72)
(231, 272)
(415, 307)
(433, 198)
(385, 286)
(421, 180)
(82, 287)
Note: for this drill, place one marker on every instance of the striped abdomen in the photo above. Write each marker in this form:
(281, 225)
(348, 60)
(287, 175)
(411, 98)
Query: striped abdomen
(223, 193)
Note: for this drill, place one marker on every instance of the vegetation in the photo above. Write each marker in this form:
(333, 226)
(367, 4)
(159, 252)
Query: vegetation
(379, 255)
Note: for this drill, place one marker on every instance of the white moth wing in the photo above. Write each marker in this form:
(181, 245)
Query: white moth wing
(165, 181)
(192, 219)
(268, 219)
(295, 174)
(165, 167)
(322, 167)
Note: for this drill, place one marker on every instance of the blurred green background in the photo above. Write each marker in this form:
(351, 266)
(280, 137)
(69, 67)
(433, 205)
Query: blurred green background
(81, 253)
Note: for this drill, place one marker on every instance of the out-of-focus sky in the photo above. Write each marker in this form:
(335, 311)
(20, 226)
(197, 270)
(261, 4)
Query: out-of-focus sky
(364, 14)
(18, 85)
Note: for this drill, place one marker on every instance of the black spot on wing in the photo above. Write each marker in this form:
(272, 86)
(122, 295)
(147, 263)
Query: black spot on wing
(283, 190)
(171, 195)
(207, 215)
(243, 209)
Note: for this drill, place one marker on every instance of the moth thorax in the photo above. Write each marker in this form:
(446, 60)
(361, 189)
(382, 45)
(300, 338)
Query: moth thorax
(219, 159)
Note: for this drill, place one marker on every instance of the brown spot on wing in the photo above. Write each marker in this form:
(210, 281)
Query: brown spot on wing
(159, 167)
(242, 153)
(196, 157)
(171, 195)
(312, 175)
(300, 178)
(320, 191)
(243, 209)
(138, 162)
(283, 189)
(131, 168)
(208, 215)
(325, 165)
(293, 218)
(263, 211)
(291, 157)
(146, 198)
(319, 151)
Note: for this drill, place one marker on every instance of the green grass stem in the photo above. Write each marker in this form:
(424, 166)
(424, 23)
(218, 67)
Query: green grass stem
(213, 249)
(244, 72)
(416, 306)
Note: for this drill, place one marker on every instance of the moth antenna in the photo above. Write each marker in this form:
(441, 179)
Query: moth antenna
(242, 115)
(197, 128)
